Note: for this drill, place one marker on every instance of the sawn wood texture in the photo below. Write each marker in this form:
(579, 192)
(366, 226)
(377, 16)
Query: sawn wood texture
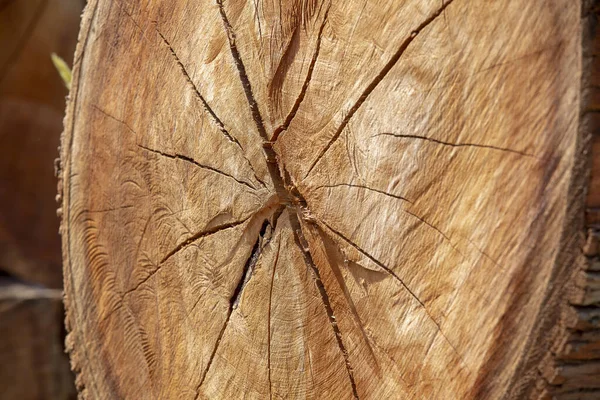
(325, 200)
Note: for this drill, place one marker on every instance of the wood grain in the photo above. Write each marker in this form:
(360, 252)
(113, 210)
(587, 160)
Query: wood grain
(313, 199)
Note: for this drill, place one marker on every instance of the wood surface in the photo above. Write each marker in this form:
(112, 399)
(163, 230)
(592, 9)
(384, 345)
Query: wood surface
(330, 200)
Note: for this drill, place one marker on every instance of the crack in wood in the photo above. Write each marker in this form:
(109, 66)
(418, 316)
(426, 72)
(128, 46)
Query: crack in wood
(335, 257)
(260, 215)
(215, 117)
(257, 18)
(376, 261)
(269, 320)
(108, 115)
(139, 243)
(375, 82)
(435, 228)
(304, 249)
(395, 196)
(144, 280)
(128, 14)
(296, 208)
(106, 210)
(394, 275)
(280, 129)
(188, 78)
(447, 238)
(235, 298)
(288, 194)
(197, 236)
(251, 262)
(237, 59)
(270, 155)
(197, 164)
(444, 143)
(202, 234)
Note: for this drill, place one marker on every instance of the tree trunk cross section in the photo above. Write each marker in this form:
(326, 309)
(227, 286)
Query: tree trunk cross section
(313, 199)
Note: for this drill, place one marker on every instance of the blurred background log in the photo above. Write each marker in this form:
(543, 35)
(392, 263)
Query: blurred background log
(32, 99)
(32, 360)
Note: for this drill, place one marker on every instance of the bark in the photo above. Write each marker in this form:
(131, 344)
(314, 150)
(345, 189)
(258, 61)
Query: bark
(317, 199)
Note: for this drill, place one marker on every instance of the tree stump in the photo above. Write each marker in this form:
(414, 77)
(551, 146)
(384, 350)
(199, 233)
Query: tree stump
(331, 200)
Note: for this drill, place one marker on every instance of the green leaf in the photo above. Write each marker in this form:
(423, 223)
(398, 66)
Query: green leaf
(63, 69)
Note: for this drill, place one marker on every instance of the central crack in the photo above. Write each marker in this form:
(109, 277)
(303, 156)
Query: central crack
(286, 194)
(286, 191)
(290, 197)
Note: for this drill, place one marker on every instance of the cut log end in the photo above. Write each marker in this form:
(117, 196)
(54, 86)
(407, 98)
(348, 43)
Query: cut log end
(330, 200)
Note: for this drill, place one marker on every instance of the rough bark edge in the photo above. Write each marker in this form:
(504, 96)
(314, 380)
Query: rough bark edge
(563, 354)
(574, 370)
(62, 170)
(571, 367)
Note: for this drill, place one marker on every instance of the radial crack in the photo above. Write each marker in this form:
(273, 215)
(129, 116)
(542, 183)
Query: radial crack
(393, 274)
(251, 263)
(267, 147)
(106, 210)
(197, 164)
(375, 82)
(197, 92)
(144, 280)
(376, 261)
(304, 88)
(243, 75)
(334, 255)
(182, 245)
(443, 143)
(139, 243)
(106, 114)
(207, 107)
(269, 319)
(233, 302)
(200, 235)
(216, 119)
(395, 196)
(479, 250)
(435, 228)
(303, 246)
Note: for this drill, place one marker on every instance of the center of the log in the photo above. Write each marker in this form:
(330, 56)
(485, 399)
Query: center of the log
(286, 191)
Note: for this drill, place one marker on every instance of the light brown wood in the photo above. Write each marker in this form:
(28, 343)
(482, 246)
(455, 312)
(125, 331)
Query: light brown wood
(327, 200)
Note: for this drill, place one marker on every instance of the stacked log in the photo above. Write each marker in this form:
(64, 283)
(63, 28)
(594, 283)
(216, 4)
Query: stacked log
(32, 98)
